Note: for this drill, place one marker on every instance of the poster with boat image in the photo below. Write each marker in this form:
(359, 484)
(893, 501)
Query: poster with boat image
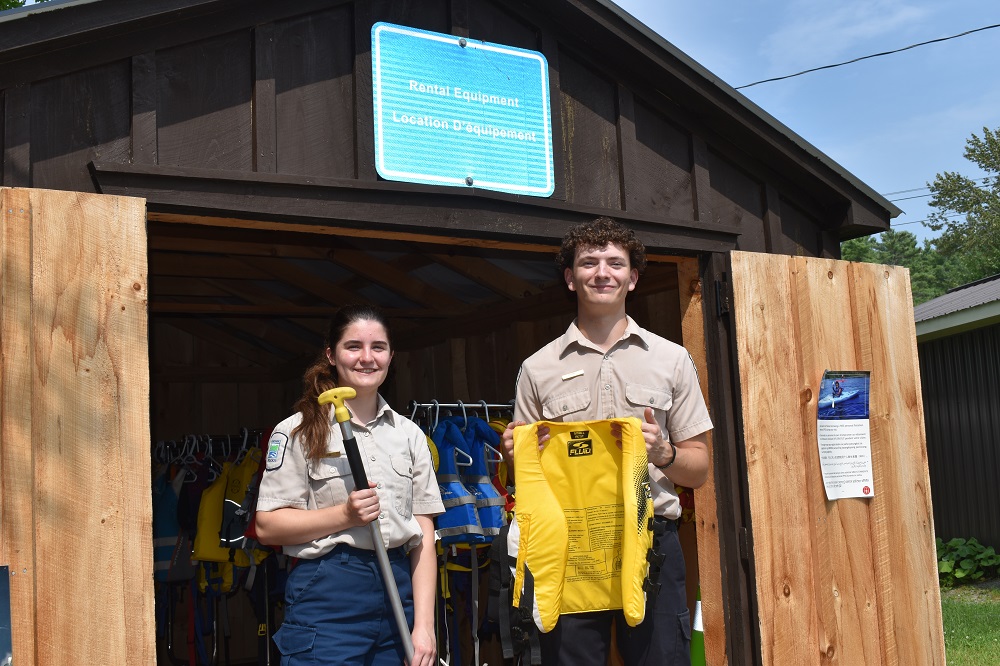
(843, 434)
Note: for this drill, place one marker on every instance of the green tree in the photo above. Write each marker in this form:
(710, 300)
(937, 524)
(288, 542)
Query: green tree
(930, 273)
(859, 249)
(13, 4)
(973, 236)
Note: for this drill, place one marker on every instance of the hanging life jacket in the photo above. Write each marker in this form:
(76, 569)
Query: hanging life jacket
(167, 535)
(585, 515)
(476, 477)
(501, 474)
(460, 521)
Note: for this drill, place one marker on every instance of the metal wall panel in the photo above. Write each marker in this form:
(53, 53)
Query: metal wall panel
(960, 376)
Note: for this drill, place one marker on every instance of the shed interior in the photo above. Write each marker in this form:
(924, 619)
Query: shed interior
(236, 314)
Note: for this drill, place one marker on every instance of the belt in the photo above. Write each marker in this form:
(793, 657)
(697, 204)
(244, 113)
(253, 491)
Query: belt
(670, 524)
(397, 553)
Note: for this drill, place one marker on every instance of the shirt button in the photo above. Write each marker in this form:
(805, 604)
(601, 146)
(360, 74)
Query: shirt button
(372, 459)
(607, 357)
(651, 401)
(381, 515)
(379, 486)
(368, 434)
(565, 408)
(607, 387)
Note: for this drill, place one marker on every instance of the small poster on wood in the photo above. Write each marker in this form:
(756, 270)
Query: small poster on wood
(843, 434)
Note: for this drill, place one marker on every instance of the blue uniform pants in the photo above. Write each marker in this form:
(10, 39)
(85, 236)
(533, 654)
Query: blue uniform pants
(337, 611)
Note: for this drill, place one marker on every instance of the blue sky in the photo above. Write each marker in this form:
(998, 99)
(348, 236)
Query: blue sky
(894, 121)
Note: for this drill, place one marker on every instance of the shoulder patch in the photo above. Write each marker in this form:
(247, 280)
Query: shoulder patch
(276, 451)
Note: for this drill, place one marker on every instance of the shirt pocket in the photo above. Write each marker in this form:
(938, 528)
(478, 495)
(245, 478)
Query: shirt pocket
(402, 484)
(566, 407)
(330, 481)
(642, 396)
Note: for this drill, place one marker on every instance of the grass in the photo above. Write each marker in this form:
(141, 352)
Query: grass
(972, 624)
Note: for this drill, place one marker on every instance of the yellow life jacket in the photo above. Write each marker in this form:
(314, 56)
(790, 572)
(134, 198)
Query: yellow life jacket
(585, 512)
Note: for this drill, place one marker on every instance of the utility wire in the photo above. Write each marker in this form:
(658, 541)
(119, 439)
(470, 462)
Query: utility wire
(915, 189)
(926, 219)
(915, 196)
(873, 55)
(926, 187)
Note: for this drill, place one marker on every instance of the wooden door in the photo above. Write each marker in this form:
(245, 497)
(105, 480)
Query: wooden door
(851, 582)
(75, 497)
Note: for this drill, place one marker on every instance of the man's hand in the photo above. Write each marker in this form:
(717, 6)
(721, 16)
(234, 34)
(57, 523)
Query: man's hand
(507, 439)
(658, 449)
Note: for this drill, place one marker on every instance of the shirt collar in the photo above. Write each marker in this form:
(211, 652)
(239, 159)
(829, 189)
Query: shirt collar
(573, 335)
(383, 410)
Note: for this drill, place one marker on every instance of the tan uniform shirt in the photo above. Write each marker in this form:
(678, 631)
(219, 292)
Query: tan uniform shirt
(571, 379)
(396, 457)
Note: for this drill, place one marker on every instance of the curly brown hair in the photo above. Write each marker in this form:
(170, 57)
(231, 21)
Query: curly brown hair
(321, 376)
(597, 234)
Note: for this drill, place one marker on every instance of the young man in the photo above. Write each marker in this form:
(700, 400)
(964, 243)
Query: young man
(606, 366)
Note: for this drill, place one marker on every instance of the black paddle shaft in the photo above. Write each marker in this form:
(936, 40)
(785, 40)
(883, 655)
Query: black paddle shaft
(356, 463)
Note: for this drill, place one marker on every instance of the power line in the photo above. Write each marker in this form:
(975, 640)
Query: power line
(915, 196)
(925, 187)
(915, 189)
(873, 55)
(926, 219)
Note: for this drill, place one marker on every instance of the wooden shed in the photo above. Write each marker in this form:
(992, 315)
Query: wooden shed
(190, 191)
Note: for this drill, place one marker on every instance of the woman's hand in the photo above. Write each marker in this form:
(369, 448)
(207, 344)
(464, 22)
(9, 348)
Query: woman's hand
(362, 506)
(424, 647)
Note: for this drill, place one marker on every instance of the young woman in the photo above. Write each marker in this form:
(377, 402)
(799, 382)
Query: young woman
(337, 611)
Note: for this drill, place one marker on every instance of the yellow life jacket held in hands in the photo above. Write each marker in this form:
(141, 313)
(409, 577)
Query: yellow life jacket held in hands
(585, 511)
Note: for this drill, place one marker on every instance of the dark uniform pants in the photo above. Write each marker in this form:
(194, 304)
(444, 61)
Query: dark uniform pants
(662, 639)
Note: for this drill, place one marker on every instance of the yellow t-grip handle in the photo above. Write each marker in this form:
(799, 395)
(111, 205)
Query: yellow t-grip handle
(337, 396)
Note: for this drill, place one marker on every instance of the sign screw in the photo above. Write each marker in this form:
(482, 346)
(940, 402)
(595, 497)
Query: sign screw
(468, 180)
(462, 42)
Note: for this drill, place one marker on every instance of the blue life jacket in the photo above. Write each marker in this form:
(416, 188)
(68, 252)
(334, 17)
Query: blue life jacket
(460, 521)
(166, 528)
(489, 503)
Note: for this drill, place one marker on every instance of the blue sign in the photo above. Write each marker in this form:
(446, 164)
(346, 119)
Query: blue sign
(460, 112)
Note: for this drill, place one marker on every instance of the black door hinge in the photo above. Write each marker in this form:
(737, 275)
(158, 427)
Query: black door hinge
(721, 298)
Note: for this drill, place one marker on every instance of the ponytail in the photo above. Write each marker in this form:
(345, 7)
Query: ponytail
(315, 426)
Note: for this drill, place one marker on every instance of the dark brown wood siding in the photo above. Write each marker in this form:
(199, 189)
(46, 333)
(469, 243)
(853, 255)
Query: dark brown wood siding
(314, 91)
(203, 103)
(801, 234)
(589, 143)
(77, 118)
(661, 185)
(738, 202)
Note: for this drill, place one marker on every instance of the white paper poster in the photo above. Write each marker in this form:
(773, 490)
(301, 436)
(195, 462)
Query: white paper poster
(843, 434)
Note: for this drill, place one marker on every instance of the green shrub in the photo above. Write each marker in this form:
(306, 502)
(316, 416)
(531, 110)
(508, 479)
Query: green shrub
(965, 561)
